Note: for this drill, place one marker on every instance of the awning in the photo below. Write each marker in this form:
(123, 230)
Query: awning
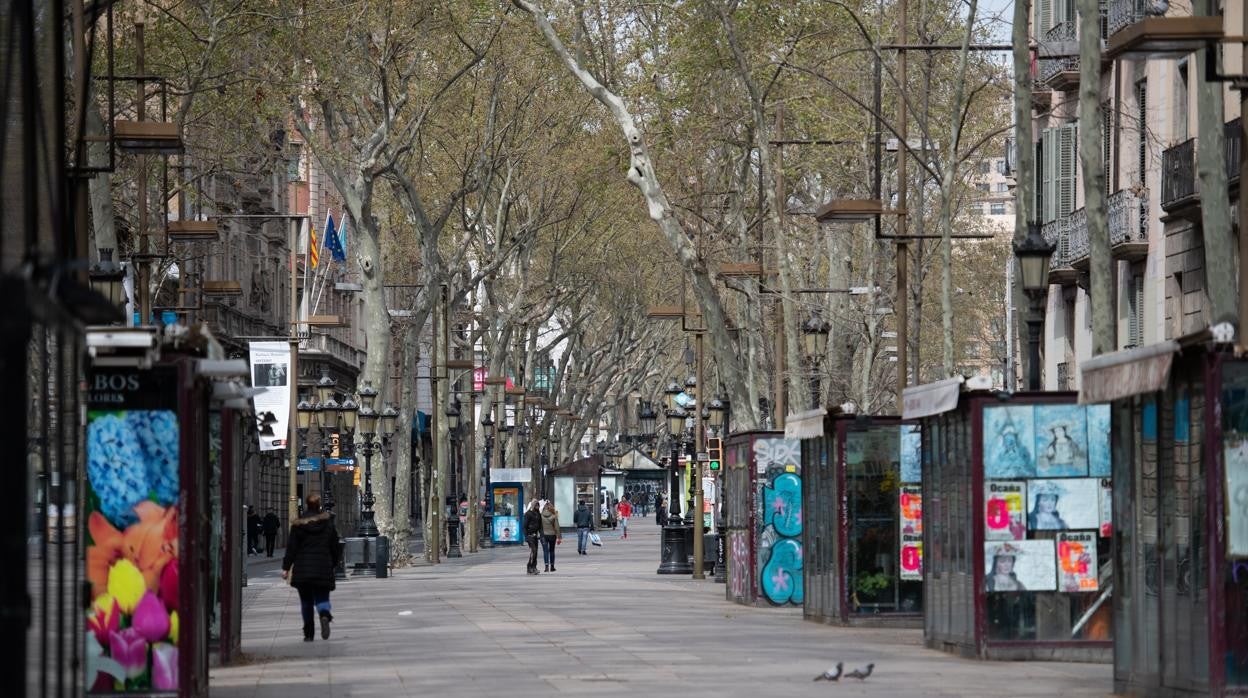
(1128, 372)
(931, 398)
(804, 425)
(636, 460)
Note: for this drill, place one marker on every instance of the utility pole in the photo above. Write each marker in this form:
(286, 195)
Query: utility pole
(902, 303)
(699, 440)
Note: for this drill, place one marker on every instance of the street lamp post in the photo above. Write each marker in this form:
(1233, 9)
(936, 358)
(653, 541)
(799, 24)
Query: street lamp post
(815, 333)
(1034, 256)
(487, 528)
(452, 505)
(371, 444)
(675, 431)
(716, 419)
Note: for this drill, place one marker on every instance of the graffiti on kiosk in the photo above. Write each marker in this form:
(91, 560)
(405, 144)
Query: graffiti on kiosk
(738, 576)
(780, 520)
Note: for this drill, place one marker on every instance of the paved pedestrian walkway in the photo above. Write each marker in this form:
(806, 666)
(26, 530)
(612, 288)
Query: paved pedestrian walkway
(603, 624)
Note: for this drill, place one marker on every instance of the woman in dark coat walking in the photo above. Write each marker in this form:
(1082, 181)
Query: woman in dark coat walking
(311, 556)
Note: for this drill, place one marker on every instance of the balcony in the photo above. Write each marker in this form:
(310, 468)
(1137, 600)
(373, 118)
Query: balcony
(1065, 376)
(1180, 187)
(1060, 72)
(1056, 233)
(1135, 34)
(1078, 247)
(1178, 176)
(1128, 224)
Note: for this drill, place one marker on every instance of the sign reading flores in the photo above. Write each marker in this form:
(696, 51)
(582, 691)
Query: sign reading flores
(270, 371)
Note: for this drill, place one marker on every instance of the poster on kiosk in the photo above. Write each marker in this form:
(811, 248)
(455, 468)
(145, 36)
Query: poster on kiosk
(133, 564)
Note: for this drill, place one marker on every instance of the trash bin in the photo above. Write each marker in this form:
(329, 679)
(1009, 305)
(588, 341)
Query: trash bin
(383, 557)
(710, 548)
(487, 530)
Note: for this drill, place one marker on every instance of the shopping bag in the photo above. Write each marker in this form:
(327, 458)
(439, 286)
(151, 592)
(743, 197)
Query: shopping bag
(595, 539)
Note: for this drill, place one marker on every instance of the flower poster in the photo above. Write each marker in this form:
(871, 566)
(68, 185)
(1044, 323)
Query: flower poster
(270, 369)
(910, 516)
(1019, 565)
(132, 561)
(1076, 561)
(1005, 512)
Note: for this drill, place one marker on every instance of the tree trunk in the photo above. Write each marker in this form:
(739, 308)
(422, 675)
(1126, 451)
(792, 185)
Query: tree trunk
(400, 528)
(1215, 205)
(946, 198)
(1090, 154)
(1025, 167)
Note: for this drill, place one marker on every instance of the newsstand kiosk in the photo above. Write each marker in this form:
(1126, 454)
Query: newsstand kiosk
(763, 516)
(1017, 523)
(862, 518)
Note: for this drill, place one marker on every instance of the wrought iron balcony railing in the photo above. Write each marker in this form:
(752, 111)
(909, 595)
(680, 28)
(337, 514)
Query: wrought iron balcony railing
(1065, 31)
(1077, 230)
(1128, 217)
(1178, 173)
(1124, 13)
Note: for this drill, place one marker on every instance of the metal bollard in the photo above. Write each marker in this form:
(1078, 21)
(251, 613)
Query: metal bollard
(487, 530)
(382, 557)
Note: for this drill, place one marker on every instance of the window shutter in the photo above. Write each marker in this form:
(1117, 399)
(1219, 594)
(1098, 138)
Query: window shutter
(1066, 170)
(1044, 17)
(1038, 212)
(1135, 315)
(1048, 142)
(1141, 96)
(1107, 144)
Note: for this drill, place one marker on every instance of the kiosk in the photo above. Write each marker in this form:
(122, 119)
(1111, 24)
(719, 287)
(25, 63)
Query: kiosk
(763, 519)
(863, 518)
(506, 504)
(1017, 520)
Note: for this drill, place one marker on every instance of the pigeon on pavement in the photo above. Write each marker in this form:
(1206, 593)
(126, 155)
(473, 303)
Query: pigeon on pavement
(829, 676)
(861, 674)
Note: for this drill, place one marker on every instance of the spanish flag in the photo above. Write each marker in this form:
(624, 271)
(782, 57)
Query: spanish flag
(314, 256)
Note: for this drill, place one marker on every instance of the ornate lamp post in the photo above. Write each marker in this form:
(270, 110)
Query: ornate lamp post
(452, 504)
(487, 528)
(815, 335)
(371, 445)
(1034, 256)
(676, 430)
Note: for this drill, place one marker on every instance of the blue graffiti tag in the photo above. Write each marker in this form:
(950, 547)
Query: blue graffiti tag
(783, 503)
(782, 575)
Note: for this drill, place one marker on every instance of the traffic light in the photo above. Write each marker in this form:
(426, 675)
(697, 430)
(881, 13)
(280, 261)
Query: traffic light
(715, 448)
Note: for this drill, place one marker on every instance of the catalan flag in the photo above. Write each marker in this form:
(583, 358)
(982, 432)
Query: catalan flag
(314, 256)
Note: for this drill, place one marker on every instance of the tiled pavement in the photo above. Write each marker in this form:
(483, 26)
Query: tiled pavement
(605, 624)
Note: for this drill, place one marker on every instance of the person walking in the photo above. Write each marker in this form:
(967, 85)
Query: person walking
(550, 535)
(660, 510)
(584, 522)
(253, 531)
(269, 526)
(532, 527)
(626, 510)
(311, 556)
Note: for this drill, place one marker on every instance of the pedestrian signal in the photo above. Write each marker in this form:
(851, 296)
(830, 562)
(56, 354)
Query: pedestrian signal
(715, 448)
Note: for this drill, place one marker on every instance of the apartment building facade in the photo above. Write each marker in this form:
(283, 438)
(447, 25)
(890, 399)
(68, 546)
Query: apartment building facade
(1172, 383)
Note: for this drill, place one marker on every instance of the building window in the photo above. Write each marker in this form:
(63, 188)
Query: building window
(1141, 101)
(982, 186)
(1180, 102)
(1001, 168)
(985, 166)
(997, 208)
(1135, 307)
(1002, 188)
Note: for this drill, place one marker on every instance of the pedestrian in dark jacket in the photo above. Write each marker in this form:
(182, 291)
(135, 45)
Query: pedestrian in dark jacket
(253, 531)
(584, 521)
(532, 526)
(311, 556)
(269, 524)
(660, 511)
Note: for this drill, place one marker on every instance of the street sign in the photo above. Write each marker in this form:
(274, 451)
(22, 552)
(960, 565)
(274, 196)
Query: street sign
(333, 465)
(308, 465)
(703, 457)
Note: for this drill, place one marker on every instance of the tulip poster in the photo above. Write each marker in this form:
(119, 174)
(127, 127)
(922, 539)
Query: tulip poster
(132, 562)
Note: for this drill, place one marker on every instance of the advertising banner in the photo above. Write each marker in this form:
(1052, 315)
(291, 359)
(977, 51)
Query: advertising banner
(270, 371)
(1076, 561)
(132, 561)
(911, 520)
(1107, 507)
(1020, 565)
(1005, 513)
(1235, 453)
